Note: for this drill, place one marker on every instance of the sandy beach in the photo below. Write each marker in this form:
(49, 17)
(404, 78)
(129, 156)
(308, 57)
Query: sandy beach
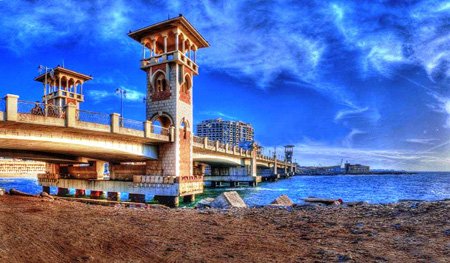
(38, 230)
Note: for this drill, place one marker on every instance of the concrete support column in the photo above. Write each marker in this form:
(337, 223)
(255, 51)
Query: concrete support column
(71, 115)
(96, 194)
(113, 196)
(217, 145)
(137, 198)
(46, 189)
(100, 169)
(170, 201)
(205, 142)
(63, 191)
(80, 192)
(11, 107)
(188, 198)
(115, 122)
(226, 147)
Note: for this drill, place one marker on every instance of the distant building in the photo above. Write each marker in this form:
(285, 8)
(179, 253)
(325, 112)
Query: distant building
(17, 168)
(356, 169)
(232, 132)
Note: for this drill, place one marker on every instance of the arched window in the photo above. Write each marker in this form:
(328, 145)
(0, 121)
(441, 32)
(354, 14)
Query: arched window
(160, 83)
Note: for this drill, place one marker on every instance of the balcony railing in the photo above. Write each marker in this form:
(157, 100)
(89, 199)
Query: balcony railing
(156, 129)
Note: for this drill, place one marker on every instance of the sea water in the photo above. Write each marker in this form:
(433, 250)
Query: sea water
(376, 189)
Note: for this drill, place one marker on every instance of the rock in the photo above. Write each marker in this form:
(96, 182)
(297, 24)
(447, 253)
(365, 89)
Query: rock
(204, 203)
(46, 195)
(282, 200)
(2, 191)
(228, 200)
(13, 191)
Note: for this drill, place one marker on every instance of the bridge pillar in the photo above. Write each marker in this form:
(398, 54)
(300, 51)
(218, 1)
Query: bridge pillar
(63, 191)
(170, 201)
(137, 198)
(96, 194)
(188, 198)
(46, 189)
(113, 196)
(71, 115)
(80, 192)
(115, 122)
(11, 107)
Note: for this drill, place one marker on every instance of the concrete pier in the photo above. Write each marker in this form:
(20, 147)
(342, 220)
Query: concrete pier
(137, 198)
(170, 201)
(188, 198)
(96, 194)
(46, 189)
(113, 196)
(80, 192)
(62, 191)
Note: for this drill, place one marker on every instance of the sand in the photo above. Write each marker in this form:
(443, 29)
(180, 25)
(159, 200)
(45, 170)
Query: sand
(37, 230)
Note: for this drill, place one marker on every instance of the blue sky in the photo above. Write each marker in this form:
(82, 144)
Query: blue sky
(363, 81)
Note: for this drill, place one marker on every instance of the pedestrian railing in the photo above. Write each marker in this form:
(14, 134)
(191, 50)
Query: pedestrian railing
(93, 117)
(40, 109)
(131, 124)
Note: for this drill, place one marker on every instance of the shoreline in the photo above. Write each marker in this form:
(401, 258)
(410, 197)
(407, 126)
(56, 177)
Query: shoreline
(61, 231)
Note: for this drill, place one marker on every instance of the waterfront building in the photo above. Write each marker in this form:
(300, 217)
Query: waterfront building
(231, 132)
(17, 167)
(356, 168)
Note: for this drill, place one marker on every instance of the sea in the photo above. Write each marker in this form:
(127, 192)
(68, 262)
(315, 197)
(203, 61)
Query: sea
(374, 189)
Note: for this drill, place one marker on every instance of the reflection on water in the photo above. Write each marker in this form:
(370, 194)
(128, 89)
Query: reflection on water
(370, 188)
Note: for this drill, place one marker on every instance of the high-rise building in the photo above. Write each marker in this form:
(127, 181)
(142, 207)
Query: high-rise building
(232, 132)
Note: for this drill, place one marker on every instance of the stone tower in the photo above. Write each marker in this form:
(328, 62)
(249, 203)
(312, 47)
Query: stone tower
(169, 60)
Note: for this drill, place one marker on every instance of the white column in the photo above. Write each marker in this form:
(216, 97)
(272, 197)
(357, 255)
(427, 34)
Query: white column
(184, 46)
(195, 56)
(165, 44)
(176, 41)
(81, 88)
(154, 47)
(143, 51)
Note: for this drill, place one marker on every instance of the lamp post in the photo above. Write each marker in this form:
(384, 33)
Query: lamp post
(42, 68)
(123, 94)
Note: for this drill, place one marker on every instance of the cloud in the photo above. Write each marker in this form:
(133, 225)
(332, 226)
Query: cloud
(421, 141)
(348, 140)
(131, 95)
(218, 114)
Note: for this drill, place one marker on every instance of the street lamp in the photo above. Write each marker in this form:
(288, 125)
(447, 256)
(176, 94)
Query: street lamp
(123, 94)
(42, 68)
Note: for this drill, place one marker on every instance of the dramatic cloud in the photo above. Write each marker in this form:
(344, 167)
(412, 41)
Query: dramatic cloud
(338, 78)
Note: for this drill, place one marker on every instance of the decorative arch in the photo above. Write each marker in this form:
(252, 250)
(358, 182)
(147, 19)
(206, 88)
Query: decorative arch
(185, 89)
(160, 88)
(161, 122)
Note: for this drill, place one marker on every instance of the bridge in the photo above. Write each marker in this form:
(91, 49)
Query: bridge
(159, 156)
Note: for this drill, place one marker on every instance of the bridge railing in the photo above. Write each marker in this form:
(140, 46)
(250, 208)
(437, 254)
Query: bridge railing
(131, 124)
(156, 129)
(93, 117)
(28, 108)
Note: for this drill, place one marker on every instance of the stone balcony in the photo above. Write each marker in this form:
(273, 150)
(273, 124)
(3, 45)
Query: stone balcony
(172, 56)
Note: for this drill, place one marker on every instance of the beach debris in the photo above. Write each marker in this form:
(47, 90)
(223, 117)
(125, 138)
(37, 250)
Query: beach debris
(324, 201)
(13, 191)
(46, 195)
(228, 200)
(282, 200)
(2, 191)
(204, 203)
